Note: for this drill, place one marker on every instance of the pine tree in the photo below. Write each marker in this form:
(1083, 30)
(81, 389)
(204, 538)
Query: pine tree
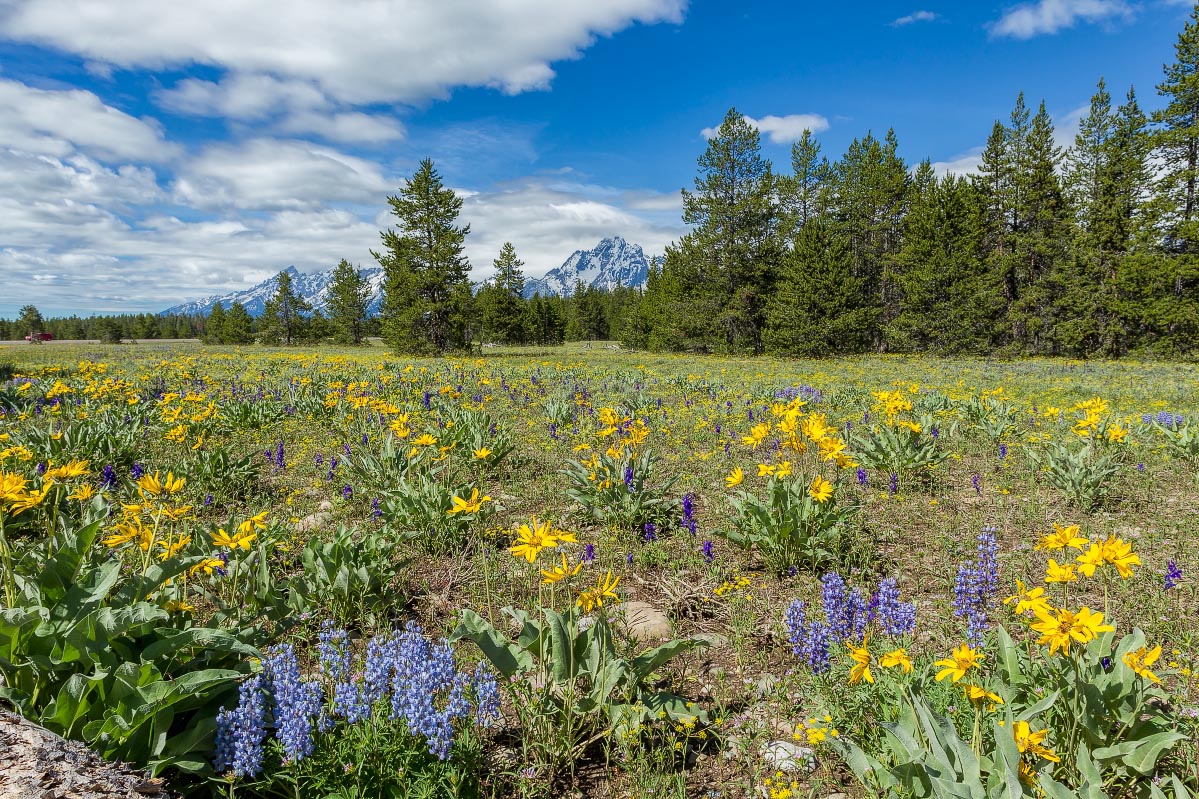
(239, 327)
(501, 302)
(820, 307)
(282, 317)
(805, 190)
(734, 248)
(427, 291)
(349, 294)
(1088, 164)
(30, 322)
(1177, 139)
(214, 328)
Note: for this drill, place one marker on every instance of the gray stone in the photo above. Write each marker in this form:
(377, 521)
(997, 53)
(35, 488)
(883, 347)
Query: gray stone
(789, 756)
(325, 505)
(713, 640)
(644, 622)
(313, 522)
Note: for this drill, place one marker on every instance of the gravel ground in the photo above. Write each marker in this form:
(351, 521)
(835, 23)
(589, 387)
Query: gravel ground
(37, 764)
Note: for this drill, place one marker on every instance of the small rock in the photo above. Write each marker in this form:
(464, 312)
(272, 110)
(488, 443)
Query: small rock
(713, 640)
(325, 505)
(836, 796)
(644, 622)
(788, 756)
(313, 522)
(764, 686)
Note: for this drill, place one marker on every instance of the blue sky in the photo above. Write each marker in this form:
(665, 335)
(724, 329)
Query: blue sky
(154, 152)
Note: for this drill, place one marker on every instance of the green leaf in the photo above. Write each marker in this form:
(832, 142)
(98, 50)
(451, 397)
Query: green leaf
(1141, 755)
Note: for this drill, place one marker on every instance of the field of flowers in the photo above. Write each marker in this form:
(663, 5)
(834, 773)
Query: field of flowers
(590, 573)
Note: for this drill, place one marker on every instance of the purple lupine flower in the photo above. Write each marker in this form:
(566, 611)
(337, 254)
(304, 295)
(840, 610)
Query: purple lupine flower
(709, 555)
(892, 616)
(347, 449)
(207, 500)
(863, 479)
(280, 461)
(650, 532)
(320, 459)
(688, 520)
(589, 553)
(835, 600)
(241, 731)
(976, 586)
(628, 477)
(1173, 575)
(376, 512)
(629, 559)
(108, 477)
(893, 484)
(1141, 468)
(426, 401)
(977, 481)
(487, 696)
(935, 432)
(347, 492)
(41, 468)
(296, 703)
(1003, 452)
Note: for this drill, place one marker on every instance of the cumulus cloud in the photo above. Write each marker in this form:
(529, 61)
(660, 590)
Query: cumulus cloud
(915, 16)
(58, 122)
(272, 174)
(781, 130)
(354, 51)
(1050, 16)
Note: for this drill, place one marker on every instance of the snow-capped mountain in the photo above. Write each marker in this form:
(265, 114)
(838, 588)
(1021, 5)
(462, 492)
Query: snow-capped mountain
(614, 262)
(313, 287)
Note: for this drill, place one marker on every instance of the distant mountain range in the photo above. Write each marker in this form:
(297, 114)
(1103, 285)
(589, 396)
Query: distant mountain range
(613, 262)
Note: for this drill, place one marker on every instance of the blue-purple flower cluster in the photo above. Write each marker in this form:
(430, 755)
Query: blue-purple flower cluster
(415, 678)
(1173, 575)
(688, 520)
(1164, 418)
(847, 616)
(974, 591)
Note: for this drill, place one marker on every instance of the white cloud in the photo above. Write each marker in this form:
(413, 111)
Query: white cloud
(1050, 16)
(781, 130)
(348, 126)
(240, 96)
(354, 51)
(56, 122)
(915, 16)
(272, 174)
(962, 164)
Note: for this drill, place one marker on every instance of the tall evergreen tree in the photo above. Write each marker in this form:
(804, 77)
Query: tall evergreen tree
(214, 327)
(1177, 139)
(1088, 163)
(427, 292)
(30, 322)
(239, 327)
(733, 251)
(349, 294)
(805, 190)
(283, 314)
(501, 302)
(819, 308)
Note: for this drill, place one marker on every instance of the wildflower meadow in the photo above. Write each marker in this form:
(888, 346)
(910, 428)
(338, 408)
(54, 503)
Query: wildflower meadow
(586, 572)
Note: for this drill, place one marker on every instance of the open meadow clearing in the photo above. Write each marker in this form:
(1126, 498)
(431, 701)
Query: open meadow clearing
(580, 571)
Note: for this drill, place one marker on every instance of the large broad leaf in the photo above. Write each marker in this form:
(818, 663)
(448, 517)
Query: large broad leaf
(649, 661)
(61, 571)
(1140, 755)
(561, 650)
(507, 658)
(209, 639)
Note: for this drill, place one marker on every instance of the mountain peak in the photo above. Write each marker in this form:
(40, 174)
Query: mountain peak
(612, 263)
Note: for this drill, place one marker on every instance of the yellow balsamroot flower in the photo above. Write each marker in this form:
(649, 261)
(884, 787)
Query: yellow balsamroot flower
(1062, 537)
(199, 442)
(222, 539)
(471, 505)
(734, 477)
(896, 658)
(171, 550)
(765, 469)
(531, 539)
(1058, 628)
(424, 440)
(978, 695)
(208, 566)
(12, 486)
(960, 661)
(1029, 741)
(178, 433)
(1060, 573)
(1027, 600)
(177, 512)
(179, 606)
(783, 469)
(123, 535)
(1112, 551)
(68, 471)
(154, 485)
(83, 493)
(831, 448)
(821, 490)
(561, 572)
(757, 435)
(1116, 433)
(31, 500)
(604, 588)
(815, 427)
(861, 661)
(480, 454)
(1140, 661)
(913, 426)
(258, 521)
